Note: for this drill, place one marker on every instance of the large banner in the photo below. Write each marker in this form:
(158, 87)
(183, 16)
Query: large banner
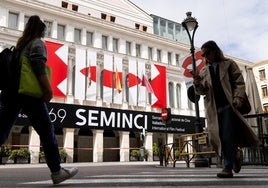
(57, 60)
(89, 117)
(159, 98)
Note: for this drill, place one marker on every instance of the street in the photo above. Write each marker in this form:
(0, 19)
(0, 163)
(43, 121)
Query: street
(131, 174)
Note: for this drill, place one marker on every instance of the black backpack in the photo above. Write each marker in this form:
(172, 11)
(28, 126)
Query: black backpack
(9, 68)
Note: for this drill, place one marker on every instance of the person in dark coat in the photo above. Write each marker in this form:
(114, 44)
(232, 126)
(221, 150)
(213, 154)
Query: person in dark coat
(223, 87)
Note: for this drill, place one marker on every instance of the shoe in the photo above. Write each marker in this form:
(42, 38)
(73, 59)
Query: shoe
(63, 174)
(225, 173)
(238, 161)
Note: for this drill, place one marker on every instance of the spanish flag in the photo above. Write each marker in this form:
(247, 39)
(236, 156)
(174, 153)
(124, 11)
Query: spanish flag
(118, 84)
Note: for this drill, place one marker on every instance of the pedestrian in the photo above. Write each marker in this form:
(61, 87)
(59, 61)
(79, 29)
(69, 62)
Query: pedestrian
(223, 87)
(30, 44)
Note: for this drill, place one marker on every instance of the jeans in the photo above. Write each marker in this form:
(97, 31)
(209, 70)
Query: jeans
(227, 123)
(11, 104)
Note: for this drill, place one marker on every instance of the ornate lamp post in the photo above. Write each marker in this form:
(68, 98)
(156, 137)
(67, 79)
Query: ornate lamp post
(190, 25)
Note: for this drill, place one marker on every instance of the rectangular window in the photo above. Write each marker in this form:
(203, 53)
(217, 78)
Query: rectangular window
(112, 19)
(264, 91)
(265, 109)
(150, 53)
(26, 18)
(138, 50)
(158, 55)
(103, 16)
(104, 42)
(49, 28)
(262, 74)
(170, 32)
(64, 4)
(156, 26)
(61, 32)
(128, 48)
(74, 7)
(144, 28)
(115, 45)
(13, 19)
(77, 36)
(89, 38)
(177, 59)
(177, 31)
(169, 58)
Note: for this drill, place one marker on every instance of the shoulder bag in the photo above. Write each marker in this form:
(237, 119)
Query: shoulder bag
(29, 84)
(245, 107)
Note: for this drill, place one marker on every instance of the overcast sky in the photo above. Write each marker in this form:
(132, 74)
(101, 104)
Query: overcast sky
(239, 27)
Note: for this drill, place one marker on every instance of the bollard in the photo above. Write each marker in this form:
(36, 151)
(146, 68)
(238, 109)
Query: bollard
(142, 152)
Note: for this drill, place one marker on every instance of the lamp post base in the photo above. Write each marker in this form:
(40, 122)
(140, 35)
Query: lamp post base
(201, 161)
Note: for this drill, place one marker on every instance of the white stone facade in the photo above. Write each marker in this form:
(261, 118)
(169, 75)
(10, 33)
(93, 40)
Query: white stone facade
(114, 19)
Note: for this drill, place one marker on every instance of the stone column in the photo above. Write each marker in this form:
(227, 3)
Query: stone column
(110, 43)
(54, 29)
(70, 83)
(170, 138)
(149, 145)
(124, 146)
(34, 145)
(133, 48)
(97, 145)
(122, 46)
(68, 143)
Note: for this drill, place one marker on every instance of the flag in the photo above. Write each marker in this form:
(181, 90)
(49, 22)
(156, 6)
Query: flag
(145, 82)
(132, 82)
(118, 85)
(57, 59)
(158, 75)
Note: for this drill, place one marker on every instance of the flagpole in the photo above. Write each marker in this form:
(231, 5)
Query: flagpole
(138, 88)
(86, 78)
(113, 80)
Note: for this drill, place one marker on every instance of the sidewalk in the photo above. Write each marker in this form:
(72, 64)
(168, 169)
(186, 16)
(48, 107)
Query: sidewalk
(179, 164)
(38, 165)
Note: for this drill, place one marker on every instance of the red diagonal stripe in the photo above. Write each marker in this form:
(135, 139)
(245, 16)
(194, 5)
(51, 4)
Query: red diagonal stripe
(59, 68)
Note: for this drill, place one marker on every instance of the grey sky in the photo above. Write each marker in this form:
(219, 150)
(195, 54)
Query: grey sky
(239, 27)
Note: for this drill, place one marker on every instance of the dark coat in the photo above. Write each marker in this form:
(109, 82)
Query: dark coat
(244, 137)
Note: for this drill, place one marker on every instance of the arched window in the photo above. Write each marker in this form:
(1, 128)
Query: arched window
(171, 94)
(178, 95)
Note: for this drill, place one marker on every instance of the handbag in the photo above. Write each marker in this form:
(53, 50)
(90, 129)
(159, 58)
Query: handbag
(245, 107)
(29, 84)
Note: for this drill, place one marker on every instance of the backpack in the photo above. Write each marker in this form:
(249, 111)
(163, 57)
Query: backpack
(9, 68)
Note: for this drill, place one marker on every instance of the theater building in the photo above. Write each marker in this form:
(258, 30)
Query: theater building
(114, 67)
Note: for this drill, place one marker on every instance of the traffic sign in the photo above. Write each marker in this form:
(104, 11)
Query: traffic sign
(165, 114)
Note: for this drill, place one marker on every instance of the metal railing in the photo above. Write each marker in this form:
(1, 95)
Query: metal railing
(170, 153)
(257, 155)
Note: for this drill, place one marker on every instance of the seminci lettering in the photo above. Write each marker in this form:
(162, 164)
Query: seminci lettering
(99, 118)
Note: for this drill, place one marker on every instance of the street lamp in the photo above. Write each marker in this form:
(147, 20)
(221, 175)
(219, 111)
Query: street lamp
(190, 25)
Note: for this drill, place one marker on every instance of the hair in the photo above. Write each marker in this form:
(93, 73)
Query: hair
(34, 28)
(212, 46)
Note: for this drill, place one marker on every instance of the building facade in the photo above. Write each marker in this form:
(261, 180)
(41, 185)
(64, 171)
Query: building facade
(260, 71)
(111, 76)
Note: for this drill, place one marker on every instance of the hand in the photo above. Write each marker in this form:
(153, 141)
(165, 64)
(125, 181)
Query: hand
(237, 102)
(48, 95)
(196, 77)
